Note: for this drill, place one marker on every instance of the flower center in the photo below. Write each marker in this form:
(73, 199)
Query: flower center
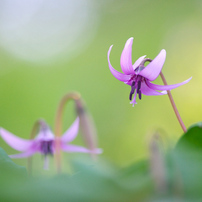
(47, 147)
(137, 79)
(136, 85)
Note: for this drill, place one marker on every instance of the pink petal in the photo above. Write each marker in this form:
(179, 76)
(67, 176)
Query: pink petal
(14, 141)
(129, 82)
(75, 148)
(24, 154)
(116, 74)
(168, 87)
(148, 91)
(153, 69)
(138, 61)
(126, 57)
(72, 132)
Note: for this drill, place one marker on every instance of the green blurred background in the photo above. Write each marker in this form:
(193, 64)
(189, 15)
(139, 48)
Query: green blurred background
(41, 60)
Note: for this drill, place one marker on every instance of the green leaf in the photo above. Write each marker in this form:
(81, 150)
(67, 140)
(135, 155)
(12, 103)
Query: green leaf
(8, 169)
(192, 139)
(188, 160)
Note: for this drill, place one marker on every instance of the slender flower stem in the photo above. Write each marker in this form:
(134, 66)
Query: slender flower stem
(173, 105)
(58, 125)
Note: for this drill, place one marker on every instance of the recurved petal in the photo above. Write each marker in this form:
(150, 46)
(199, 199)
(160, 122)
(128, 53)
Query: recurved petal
(72, 132)
(138, 61)
(148, 91)
(14, 141)
(116, 74)
(24, 154)
(126, 57)
(153, 69)
(75, 148)
(167, 87)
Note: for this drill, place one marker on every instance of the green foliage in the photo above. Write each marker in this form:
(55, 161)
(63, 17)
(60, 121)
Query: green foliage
(102, 181)
(192, 139)
(90, 182)
(189, 161)
(8, 169)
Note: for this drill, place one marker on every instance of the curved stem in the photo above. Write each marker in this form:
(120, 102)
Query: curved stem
(173, 105)
(58, 124)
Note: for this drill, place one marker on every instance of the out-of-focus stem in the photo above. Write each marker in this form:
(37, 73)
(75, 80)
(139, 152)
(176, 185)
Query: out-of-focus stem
(157, 165)
(32, 135)
(173, 105)
(58, 124)
(87, 127)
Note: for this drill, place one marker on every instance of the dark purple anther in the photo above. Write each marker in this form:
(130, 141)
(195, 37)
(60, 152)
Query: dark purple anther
(132, 90)
(138, 86)
(140, 94)
(130, 96)
(46, 147)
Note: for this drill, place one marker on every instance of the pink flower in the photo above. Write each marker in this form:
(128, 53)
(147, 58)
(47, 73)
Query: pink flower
(138, 76)
(44, 142)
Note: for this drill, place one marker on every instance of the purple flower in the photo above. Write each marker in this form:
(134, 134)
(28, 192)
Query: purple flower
(138, 76)
(44, 142)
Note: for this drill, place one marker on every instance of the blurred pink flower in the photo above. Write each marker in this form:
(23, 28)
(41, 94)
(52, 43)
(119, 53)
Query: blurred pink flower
(138, 76)
(44, 142)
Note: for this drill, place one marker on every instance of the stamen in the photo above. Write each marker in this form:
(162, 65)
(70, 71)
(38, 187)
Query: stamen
(132, 90)
(50, 151)
(140, 94)
(138, 86)
(133, 83)
(130, 96)
(46, 147)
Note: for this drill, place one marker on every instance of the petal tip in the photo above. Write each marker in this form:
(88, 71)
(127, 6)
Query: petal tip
(99, 151)
(164, 92)
(109, 50)
(163, 53)
(129, 41)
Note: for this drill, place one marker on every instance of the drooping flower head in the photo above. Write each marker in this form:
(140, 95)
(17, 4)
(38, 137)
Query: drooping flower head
(45, 142)
(138, 76)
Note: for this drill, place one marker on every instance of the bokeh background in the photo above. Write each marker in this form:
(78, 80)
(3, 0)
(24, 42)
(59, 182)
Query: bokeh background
(48, 48)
